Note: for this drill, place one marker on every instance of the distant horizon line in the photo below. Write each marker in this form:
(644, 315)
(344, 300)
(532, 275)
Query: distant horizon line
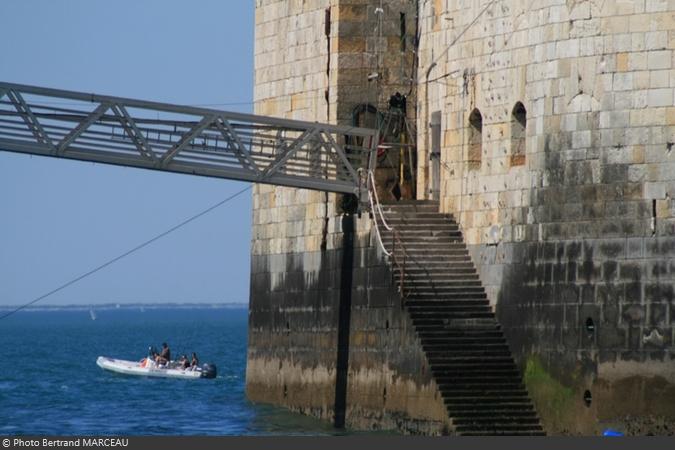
(115, 305)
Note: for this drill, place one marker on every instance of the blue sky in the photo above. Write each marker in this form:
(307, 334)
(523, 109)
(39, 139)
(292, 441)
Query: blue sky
(61, 218)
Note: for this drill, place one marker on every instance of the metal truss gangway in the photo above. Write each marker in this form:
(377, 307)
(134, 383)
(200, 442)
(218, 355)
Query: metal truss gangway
(185, 139)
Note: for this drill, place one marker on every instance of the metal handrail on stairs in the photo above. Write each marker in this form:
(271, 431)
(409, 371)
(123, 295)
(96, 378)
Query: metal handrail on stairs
(376, 209)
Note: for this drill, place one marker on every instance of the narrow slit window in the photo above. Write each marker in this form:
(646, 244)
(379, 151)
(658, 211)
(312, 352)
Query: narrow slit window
(402, 31)
(518, 136)
(475, 139)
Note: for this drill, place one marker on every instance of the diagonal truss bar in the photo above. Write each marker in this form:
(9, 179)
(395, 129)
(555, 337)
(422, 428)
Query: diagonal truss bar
(287, 152)
(342, 157)
(29, 118)
(143, 146)
(81, 127)
(185, 139)
(242, 154)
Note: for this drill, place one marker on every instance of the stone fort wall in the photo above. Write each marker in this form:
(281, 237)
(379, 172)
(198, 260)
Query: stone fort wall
(557, 133)
(327, 335)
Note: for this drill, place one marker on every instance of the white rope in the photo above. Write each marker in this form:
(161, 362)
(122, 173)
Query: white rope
(372, 192)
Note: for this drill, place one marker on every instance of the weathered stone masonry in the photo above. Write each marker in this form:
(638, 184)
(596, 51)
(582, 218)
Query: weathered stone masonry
(575, 238)
(557, 122)
(307, 326)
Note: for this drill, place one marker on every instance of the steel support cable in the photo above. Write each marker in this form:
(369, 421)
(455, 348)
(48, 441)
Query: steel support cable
(128, 252)
(459, 36)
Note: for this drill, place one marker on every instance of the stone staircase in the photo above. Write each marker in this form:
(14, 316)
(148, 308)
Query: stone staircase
(464, 345)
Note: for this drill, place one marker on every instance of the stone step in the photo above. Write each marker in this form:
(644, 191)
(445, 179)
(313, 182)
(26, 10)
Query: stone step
(459, 360)
(431, 334)
(439, 269)
(477, 300)
(437, 245)
(439, 265)
(447, 253)
(448, 319)
(498, 423)
(437, 330)
(452, 325)
(448, 306)
(467, 352)
(438, 287)
(469, 367)
(435, 270)
(488, 389)
(420, 211)
(472, 288)
(449, 299)
(452, 314)
(505, 417)
(423, 228)
(523, 410)
(439, 240)
(419, 224)
(434, 356)
(469, 342)
(504, 430)
(505, 433)
(487, 375)
(413, 295)
(438, 274)
(425, 259)
(444, 295)
(477, 409)
(500, 400)
(464, 343)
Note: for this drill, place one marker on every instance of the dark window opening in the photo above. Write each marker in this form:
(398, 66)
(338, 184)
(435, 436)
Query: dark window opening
(518, 135)
(475, 139)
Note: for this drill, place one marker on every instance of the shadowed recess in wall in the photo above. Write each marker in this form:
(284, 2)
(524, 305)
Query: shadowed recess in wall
(344, 319)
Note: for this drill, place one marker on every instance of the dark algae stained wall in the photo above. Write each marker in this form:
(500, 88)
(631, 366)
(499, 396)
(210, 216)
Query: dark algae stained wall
(332, 340)
(587, 302)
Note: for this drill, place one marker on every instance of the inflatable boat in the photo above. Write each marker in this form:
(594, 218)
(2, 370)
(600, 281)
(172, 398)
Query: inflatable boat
(148, 368)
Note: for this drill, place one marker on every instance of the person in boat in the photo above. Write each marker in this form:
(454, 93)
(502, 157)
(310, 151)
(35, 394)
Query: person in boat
(165, 356)
(195, 362)
(184, 362)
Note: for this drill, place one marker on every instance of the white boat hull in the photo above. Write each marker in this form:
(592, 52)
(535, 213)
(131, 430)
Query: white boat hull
(150, 369)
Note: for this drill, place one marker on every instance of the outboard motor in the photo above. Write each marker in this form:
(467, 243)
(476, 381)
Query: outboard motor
(208, 370)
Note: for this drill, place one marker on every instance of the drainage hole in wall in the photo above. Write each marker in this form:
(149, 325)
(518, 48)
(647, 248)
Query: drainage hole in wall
(588, 398)
(590, 327)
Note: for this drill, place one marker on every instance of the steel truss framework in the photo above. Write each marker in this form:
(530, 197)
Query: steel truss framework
(184, 139)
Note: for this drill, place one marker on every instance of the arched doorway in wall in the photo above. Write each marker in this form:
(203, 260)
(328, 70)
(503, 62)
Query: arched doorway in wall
(395, 176)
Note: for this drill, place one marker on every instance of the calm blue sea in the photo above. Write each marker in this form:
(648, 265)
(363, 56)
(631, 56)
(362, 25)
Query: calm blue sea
(50, 383)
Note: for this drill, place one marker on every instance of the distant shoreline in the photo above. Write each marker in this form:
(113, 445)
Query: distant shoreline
(109, 306)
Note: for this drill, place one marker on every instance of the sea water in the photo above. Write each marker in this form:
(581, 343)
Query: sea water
(50, 383)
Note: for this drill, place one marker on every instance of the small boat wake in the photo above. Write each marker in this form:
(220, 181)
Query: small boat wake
(149, 368)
